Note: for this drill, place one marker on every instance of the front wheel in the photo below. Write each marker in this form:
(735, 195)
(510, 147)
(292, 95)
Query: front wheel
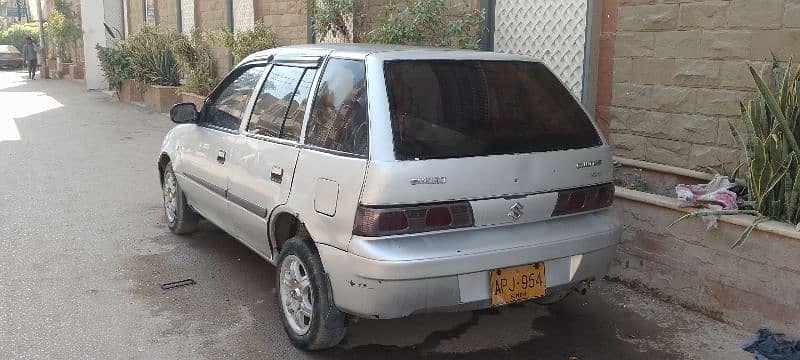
(181, 219)
(310, 318)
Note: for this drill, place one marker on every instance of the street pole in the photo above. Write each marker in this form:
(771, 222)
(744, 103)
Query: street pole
(45, 67)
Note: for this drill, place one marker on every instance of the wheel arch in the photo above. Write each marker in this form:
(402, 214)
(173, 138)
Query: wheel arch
(163, 160)
(284, 224)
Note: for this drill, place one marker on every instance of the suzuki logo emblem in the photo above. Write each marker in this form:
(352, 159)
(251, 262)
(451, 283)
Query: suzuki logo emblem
(515, 211)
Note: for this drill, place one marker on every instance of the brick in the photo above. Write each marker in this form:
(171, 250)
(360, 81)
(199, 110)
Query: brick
(648, 17)
(761, 14)
(653, 70)
(667, 152)
(677, 44)
(627, 120)
(634, 44)
(720, 102)
(791, 14)
(673, 99)
(632, 95)
(679, 127)
(703, 15)
(784, 43)
(629, 146)
(703, 156)
(623, 69)
(696, 73)
(726, 44)
(736, 74)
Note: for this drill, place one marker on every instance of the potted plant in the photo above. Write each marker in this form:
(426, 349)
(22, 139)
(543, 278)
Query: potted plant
(64, 33)
(154, 64)
(197, 66)
(76, 70)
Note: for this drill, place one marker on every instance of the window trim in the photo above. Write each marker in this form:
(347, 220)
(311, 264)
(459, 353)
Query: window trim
(221, 87)
(310, 109)
(251, 106)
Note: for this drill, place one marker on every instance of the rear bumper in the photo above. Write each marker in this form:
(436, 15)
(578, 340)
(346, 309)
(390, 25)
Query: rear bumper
(396, 277)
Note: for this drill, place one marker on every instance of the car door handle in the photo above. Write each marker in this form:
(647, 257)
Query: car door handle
(221, 157)
(276, 174)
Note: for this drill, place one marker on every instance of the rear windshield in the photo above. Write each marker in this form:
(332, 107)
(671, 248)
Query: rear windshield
(450, 109)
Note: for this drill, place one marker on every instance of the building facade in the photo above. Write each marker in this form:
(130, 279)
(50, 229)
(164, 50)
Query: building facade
(673, 73)
(664, 78)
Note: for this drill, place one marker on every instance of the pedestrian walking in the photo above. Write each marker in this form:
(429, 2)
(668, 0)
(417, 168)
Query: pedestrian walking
(29, 55)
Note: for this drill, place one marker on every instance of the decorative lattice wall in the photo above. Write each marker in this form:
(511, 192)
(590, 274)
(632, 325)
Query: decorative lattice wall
(553, 31)
(243, 15)
(113, 16)
(150, 12)
(187, 16)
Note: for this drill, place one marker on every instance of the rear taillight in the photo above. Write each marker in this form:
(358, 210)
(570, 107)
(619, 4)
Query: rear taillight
(584, 199)
(382, 221)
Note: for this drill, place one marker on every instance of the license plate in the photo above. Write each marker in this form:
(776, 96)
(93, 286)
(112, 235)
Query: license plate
(519, 283)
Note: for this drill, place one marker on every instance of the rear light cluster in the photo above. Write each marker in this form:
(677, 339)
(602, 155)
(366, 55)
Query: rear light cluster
(382, 221)
(584, 199)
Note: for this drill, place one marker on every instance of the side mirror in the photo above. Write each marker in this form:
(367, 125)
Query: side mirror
(184, 113)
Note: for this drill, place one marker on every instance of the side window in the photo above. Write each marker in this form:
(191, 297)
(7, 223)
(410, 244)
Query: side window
(339, 117)
(297, 109)
(226, 106)
(280, 106)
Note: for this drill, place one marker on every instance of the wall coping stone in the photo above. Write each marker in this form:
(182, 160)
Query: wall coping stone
(664, 168)
(769, 226)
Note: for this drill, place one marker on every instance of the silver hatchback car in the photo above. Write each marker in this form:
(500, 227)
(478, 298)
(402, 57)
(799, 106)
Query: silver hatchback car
(385, 181)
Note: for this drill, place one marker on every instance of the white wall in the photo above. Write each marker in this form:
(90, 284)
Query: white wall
(92, 17)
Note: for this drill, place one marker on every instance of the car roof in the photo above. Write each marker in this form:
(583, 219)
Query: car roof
(8, 49)
(386, 52)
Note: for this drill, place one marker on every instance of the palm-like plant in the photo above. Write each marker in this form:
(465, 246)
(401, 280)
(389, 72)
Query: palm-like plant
(771, 124)
(151, 57)
(196, 62)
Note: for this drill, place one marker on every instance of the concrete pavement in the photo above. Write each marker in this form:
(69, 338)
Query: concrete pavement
(83, 249)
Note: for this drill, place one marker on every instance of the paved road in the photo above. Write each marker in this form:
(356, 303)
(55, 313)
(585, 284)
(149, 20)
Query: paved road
(83, 249)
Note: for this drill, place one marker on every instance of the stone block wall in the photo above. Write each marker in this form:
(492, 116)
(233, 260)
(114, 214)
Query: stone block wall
(753, 286)
(135, 15)
(672, 73)
(166, 14)
(211, 15)
(287, 18)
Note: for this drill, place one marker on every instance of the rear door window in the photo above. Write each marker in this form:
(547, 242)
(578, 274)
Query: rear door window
(270, 108)
(339, 117)
(451, 109)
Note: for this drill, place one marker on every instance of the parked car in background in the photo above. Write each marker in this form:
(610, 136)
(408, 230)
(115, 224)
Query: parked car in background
(10, 57)
(385, 181)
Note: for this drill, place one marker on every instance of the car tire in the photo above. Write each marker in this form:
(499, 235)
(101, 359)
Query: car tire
(181, 219)
(326, 325)
(553, 298)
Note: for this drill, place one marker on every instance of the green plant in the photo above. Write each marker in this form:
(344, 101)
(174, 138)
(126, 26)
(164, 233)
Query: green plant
(769, 144)
(63, 30)
(115, 63)
(243, 43)
(17, 33)
(151, 58)
(196, 62)
(330, 16)
(426, 22)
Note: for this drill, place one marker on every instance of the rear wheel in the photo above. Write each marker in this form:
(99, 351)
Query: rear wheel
(310, 318)
(181, 219)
